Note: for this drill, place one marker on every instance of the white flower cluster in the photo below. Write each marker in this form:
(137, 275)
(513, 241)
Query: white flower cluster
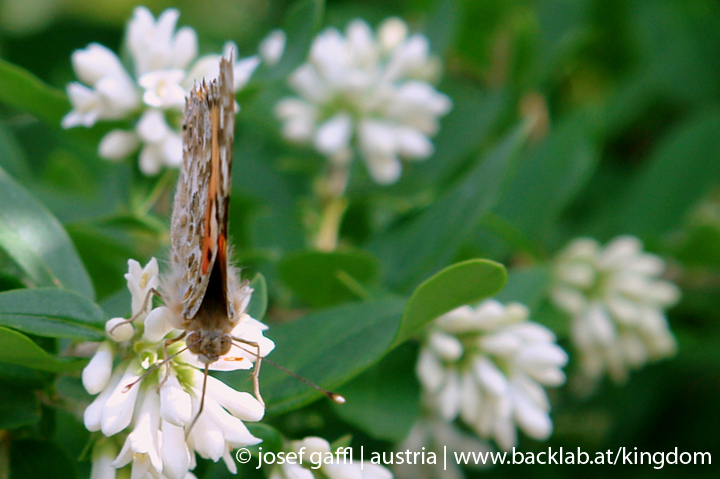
(153, 94)
(152, 408)
(488, 365)
(374, 90)
(317, 463)
(433, 434)
(617, 300)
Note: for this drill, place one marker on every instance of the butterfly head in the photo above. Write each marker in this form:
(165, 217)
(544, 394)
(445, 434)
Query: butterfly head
(208, 345)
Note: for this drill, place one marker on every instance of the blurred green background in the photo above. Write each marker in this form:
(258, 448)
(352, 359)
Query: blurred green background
(626, 98)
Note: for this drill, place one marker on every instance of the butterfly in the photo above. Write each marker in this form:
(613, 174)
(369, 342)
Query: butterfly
(203, 289)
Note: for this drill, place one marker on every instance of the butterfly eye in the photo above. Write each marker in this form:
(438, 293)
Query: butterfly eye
(224, 344)
(194, 342)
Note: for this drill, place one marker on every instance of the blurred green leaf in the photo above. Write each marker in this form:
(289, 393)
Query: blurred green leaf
(25, 92)
(442, 24)
(259, 301)
(474, 116)
(319, 278)
(683, 168)
(528, 286)
(462, 283)
(420, 247)
(384, 401)
(19, 406)
(53, 313)
(16, 348)
(272, 439)
(302, 22)
(327, 348)
(37, 243)
(12, 158)
(55, 463)
(550, 177)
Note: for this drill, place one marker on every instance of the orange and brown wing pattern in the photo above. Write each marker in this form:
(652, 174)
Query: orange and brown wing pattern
(200, 213)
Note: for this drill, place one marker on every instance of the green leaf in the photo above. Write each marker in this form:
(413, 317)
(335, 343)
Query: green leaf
(682, 169)
(53, 313)
(328, 348)
(528, 286)
(25, 92)
(302, 22)
(462, 283)
(16, 348)
(550, 178)
(442, 24)
(12, 157)
(384, 401)
(272, 439)
(322, 279)
(259, 301)
(417, 248)
(19, 406)
(37, 243)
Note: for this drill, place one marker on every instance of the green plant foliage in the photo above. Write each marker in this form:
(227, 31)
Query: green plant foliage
(569, 118)
(52, 313)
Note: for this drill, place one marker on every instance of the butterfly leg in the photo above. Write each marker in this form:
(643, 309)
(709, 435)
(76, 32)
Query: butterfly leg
(256, 368)
(167, 357)
(151, 292)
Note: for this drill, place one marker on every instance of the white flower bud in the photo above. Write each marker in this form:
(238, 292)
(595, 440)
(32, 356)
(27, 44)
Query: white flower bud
(119, 329)
(96, 375)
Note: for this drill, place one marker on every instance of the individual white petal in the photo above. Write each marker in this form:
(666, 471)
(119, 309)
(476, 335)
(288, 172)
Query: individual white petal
(470, 397)
(162, 88)
(174, 452)
(92, 418)
(272, 47)
(505, 433)
(445, 346)
(96, 375)
(143, 440)
(119, 329)
(384, 169)
(542, 355)
(119, 407)
(152, 127)
(503, 343)
(243, 70)
(240, 404)
(532, 420)
(569, 299)
(171, 148)
(619, 251)
(334, 135)
(309, 85)
(184, 48)
(102, 461)
(430, 371)
(578, 274)
(489, 376)
(448, 398)
(391, 33)
(175, 403)
(118, 144)
(158, 323)
(96, 62)
(413, 144)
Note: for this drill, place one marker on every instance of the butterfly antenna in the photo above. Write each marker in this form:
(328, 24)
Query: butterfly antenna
(336, 398)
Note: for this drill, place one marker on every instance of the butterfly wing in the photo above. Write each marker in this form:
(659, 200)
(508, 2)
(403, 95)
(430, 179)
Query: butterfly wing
(200, 212)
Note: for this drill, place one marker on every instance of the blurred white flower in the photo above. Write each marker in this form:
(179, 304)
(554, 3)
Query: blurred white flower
(164, 69)
(433, 434)
(272, 47)
(616, 298)
(314, 450)
(151, 409)
(366, 93)
(488, 365)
